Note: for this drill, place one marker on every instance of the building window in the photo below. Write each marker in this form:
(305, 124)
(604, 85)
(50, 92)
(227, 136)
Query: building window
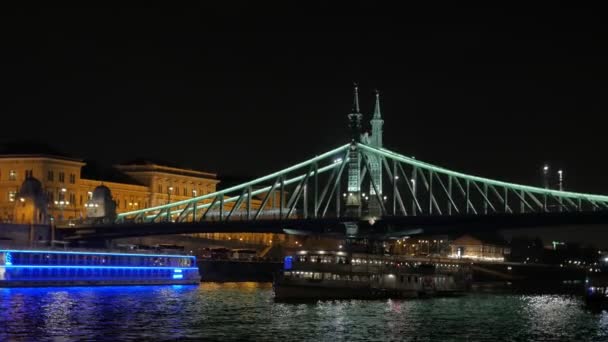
(12, 175)
(185, 191)
(50, 176)
(160, 188)
(73, 199)
(72, 178)
(50, 195)
(61, 177)
(11, 195)
(80, 199)
(28, 173)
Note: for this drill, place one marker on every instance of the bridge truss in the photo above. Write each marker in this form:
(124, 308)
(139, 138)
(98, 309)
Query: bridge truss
(320, 188)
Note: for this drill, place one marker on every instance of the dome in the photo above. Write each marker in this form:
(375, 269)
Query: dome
(31, 188)
(101, 193)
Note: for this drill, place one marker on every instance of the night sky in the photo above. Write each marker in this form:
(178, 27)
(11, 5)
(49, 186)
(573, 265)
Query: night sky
(244, 90)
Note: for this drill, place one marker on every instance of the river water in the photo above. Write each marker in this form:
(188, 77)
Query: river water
(247, 312)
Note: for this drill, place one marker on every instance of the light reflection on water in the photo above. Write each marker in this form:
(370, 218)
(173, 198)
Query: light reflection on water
(246, 311)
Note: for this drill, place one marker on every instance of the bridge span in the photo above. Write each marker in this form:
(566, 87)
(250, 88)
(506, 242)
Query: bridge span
(385, 228)
(355, 184)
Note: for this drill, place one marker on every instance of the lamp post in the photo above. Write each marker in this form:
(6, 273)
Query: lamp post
(62, 202)
(560, 185)
(193, 206)
(169, 191)
(545, 182)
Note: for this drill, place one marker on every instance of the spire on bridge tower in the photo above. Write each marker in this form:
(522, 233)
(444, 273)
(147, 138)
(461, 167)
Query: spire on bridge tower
(353, 199)
(356, 99)
(377, 123)
(355, 117)
(375, 163)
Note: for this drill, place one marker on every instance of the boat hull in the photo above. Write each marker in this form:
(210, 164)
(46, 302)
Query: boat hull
(284, 291)
(62, 283)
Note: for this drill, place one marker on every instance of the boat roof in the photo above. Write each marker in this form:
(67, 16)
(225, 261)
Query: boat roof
(96, 252)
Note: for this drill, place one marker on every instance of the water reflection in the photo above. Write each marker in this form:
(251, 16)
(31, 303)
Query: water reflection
(247, 311)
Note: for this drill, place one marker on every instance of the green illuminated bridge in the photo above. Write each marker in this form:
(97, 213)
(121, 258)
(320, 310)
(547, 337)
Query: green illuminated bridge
(362, 183)
(318, 188)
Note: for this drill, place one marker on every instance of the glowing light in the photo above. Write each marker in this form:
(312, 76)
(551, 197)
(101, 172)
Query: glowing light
(287, 263)
(100, 267)
(178, 276)
(97, 253)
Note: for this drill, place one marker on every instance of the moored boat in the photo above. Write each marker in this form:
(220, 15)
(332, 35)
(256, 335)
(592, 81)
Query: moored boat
(596, 284)
(340, 275)
(24, 268)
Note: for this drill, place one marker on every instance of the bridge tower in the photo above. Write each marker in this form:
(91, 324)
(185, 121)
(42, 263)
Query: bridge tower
(353, 198)
(375, 164)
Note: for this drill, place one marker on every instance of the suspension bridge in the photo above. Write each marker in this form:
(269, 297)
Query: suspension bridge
(360, 189)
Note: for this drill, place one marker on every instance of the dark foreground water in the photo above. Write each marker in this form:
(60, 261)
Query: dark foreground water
(246, 311)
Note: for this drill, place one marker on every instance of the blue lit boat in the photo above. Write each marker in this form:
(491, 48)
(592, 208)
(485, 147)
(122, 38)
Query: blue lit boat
(24, 268)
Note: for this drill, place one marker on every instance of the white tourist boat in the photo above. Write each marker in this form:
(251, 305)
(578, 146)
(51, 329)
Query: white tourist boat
(342, 275)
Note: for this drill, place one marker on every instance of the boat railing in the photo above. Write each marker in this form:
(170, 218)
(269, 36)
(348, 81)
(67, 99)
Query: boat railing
(97, 250)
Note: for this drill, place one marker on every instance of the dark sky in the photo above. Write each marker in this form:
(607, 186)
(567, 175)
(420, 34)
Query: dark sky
(245, 90)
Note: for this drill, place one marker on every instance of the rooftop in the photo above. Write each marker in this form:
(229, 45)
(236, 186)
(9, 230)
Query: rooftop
(32, 149)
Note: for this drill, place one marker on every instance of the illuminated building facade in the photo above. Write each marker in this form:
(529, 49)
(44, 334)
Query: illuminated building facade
(67, 189)
(479, 248)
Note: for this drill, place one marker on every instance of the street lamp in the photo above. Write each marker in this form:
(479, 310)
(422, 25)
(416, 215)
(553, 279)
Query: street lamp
(560, 185)
(62, 203)
(545, 176)
(545, 182)
(169, 191)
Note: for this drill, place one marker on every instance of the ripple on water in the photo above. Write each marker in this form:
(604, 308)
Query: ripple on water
(246, 311)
